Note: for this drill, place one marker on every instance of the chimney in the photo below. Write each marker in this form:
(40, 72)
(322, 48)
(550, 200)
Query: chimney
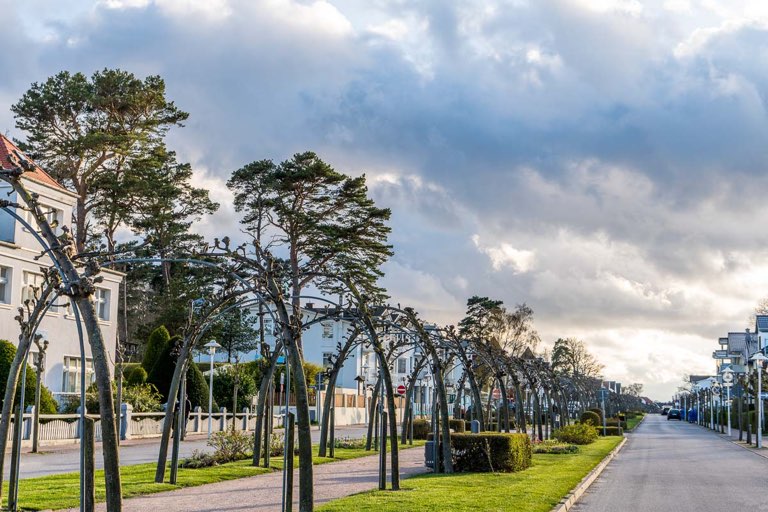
(310, 305)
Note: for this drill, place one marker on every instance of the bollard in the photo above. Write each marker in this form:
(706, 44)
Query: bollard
(125, 421)
(246, 418)
(332, 429)
(288, 464)
(223, 419)
(89, 498)
(383, 453)
(198, 419)
(30, 415)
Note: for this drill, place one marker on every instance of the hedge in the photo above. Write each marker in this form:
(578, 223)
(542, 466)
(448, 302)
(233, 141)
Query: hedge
(421, 428)
(503, 453)
(615, 423)
(458, 426)
(611, 431)
(591, 417)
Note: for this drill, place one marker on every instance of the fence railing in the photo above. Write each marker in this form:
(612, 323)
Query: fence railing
(134, 425)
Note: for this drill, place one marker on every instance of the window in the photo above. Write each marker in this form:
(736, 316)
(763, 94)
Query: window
(73, 371)
(101, 301)
(51, 214)
(327, 330)
(5, 285)
(268, 327)
(402, 365)
(327, 359)
(33, 285)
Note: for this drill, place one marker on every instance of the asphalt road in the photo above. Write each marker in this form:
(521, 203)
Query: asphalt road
(66, 458)
(678, 467)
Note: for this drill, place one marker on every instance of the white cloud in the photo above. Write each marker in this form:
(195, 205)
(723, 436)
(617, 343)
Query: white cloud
(504, 255)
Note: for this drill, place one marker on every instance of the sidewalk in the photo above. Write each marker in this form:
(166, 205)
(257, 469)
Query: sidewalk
(734, 438)
(263, 492)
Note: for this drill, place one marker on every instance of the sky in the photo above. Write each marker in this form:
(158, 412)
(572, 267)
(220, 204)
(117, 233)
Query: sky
(600, 160)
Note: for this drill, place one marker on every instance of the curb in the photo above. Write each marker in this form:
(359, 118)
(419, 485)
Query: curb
(738, 443)
(570, 500)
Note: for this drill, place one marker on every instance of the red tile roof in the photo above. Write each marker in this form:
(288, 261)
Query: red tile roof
(7, 149)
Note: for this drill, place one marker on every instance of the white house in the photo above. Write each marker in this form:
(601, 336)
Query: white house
(20, 271)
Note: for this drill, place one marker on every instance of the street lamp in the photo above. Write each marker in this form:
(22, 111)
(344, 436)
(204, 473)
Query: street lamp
(759, 359)
(211, 346)
(727, 374)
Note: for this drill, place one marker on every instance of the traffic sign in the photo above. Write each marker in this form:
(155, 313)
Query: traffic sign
(727, 377)
(400, 389)
(720, 354)
(496, 393)
(603, 394)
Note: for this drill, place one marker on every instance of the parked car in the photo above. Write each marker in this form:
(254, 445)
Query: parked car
(664, 411)
(674, 414)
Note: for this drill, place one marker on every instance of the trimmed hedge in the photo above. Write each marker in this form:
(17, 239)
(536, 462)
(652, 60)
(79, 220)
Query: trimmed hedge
(458, 426)
(591, 417)
(611, 431)
(599, 413)
(614, 423)
(579, 433)
(502, 453)
(421, 428)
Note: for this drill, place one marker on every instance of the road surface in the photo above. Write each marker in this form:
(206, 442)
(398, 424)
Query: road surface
(671, 466)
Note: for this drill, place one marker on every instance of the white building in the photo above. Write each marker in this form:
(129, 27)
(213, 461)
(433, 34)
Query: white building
(20, 271)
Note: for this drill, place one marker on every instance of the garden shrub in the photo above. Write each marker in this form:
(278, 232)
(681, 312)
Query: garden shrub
(349, 443)
(199, 459)
(592, 418)
(224, 387)
(553, 446)
(599, 413)
(579, 433)
(161, 373)
(611, 431)
(622, 417)
(156, 345)
(47, 403)
(134, 374)
(504, 453)
(421, 428)
(615, 423)
(197, 389)
(467, 426)
(143, 398)
(457, 426)
(231, 445)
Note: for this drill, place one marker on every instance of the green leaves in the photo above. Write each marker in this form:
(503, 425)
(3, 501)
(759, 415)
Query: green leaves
(322, 221)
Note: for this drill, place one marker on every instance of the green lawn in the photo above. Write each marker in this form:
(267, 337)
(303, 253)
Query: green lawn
(537, 489)
(62, 491)
(633, 422)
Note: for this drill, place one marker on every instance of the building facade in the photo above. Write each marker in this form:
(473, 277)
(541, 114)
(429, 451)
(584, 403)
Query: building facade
(21, 274)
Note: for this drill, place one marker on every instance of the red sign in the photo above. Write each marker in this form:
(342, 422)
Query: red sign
(496, 393)
(400, 389)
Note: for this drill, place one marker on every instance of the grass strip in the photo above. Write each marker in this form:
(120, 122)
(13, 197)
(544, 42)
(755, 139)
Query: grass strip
(634, 422)
(537, 489)
(53, 492)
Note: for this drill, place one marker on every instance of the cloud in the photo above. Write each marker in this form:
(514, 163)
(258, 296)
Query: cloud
(600, 160)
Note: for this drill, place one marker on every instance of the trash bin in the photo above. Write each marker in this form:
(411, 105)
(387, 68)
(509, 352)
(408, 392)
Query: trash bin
(429, 454)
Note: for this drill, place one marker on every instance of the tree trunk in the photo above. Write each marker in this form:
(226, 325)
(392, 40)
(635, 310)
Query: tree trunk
(109, 434)
(504, 405)
(330, 391)
(372, 413)
(306, 485)
(264, 392)
(170, 409)
(477, 400)
(14, 374)
(390, 398)
(446, 427)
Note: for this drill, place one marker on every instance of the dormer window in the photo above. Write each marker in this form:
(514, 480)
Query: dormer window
(101, 301)
(52, 215)
(327, 329)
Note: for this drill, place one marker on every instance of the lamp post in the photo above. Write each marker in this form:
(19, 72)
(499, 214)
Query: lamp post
(728, 382)
(759, 359)
(211, 346)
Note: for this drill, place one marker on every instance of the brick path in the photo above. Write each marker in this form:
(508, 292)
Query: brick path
(262, 492)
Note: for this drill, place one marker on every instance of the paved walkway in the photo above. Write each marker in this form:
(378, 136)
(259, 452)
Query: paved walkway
(671, 466)
(262, 493)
